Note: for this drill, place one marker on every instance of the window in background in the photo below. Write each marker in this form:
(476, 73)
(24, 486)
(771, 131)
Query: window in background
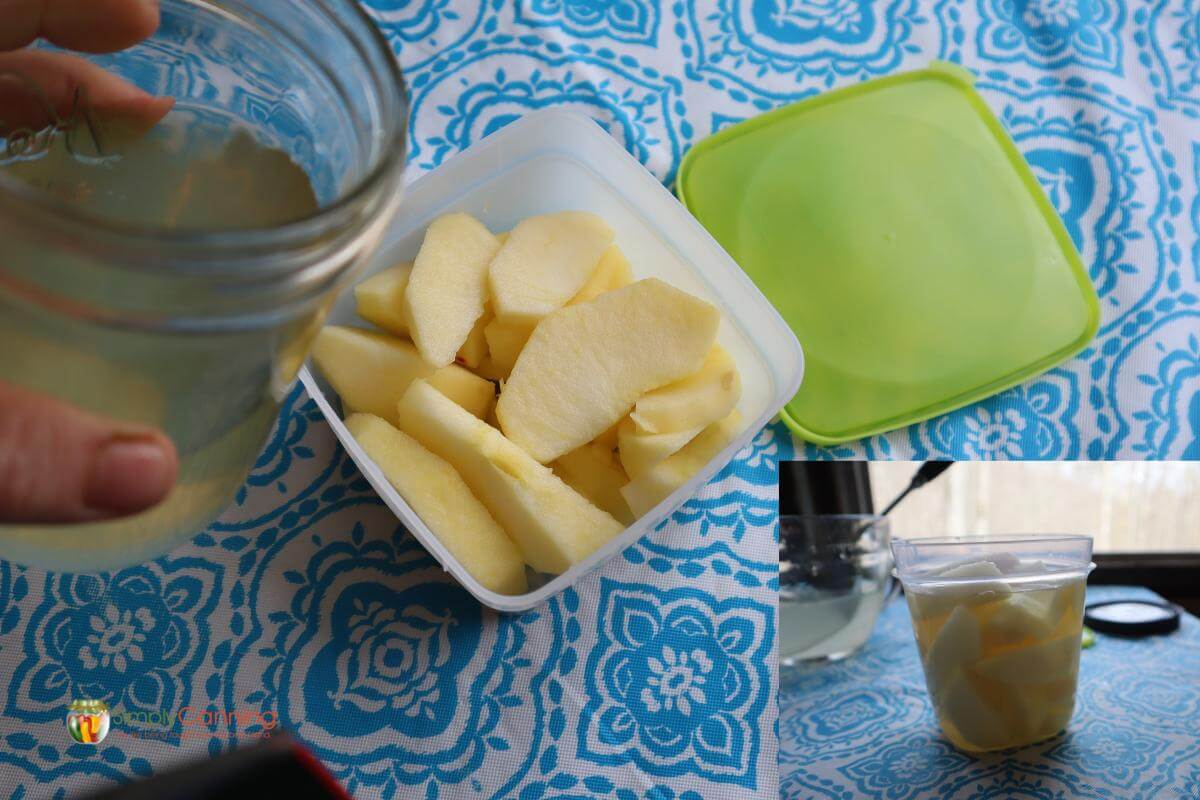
(1127, 506)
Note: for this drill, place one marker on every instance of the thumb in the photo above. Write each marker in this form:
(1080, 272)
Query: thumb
(61, 464)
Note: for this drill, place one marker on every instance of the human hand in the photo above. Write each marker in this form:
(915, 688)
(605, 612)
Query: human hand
(90, 26)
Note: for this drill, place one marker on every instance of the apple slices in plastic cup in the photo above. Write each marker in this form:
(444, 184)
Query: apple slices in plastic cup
(998, 622)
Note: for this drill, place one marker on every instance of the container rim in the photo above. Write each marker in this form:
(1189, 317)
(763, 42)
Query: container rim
(989, 539)
(1058, 568)
(918, 579)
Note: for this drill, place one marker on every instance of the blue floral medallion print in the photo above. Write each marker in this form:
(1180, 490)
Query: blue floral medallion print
(1168, 42)
(133, 639)
(1053, 33)
(622, 20)
(791, 48)
(675, 681)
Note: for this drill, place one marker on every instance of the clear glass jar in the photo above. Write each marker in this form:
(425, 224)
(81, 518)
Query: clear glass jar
(833, 582)
(200, 332)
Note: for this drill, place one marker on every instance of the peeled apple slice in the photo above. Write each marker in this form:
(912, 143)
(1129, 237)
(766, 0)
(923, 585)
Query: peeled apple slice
(504, 342)
(1020, 615)
(701, 398)
(612, 272)
(380, 298)
(553, 525)
(941, 599)
(1067, 596)
(956, 646)
(608, 439)
(474, 350)
(653, 486)
(995, 564)
(448, 285)
(974, 569)
(1037, 663)
(443, 502)
(544, 262)
(594, 473)
(371, 371)
(1026, 709)
(641, 452)
(959, 703)
(585, 366)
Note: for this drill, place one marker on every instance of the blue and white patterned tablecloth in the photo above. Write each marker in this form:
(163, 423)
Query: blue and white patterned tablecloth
(307, 602)
(653, 680)
(864, 728)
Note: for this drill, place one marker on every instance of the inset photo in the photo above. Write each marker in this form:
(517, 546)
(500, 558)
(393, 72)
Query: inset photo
(982, 629)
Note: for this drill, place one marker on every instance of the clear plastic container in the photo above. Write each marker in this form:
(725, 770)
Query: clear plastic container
(998, 622)
(556, 160)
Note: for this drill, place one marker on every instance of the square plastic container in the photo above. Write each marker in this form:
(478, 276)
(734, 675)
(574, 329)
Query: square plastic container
(551, 161)
(998, 622)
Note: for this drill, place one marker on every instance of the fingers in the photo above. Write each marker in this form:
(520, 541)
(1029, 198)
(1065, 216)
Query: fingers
(112, 101)
(61, 464)
(90, 26)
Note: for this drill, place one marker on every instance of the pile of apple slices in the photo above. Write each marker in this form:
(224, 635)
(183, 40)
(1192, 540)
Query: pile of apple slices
(528, 397)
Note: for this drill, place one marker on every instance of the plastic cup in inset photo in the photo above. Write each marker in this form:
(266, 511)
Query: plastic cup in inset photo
(998, 622)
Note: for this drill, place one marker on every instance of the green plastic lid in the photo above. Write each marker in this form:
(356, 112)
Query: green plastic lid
(903, 237)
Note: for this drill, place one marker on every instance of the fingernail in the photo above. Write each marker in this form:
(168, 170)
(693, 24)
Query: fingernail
(130, 473)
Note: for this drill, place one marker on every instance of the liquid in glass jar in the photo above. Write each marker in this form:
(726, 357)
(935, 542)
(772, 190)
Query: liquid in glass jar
(172, 272)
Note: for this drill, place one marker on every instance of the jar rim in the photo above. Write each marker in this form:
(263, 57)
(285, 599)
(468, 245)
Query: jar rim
(391, 82)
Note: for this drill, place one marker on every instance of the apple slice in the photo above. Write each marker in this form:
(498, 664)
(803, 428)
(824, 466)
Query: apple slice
(612, 272)
(693, 402)
(959, 703)
(648, 490)
(553, 525)
(1045, 661)
(443, 502)
(448, 286)
(608, 439)
(594, 473)
(380, 298)
(488, 369)
(640, 452)
(1021, 615)
(545, 262)
(505, 341)
(371, 371)
(474, 350)
(956, 646)
(585, 366)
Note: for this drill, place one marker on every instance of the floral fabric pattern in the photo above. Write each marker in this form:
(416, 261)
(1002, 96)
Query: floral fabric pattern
(654, 678)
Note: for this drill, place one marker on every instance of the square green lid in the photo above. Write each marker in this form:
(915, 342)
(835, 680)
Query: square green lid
(900, 233)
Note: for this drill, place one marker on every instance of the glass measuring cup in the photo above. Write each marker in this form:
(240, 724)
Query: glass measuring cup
(834, 574)
(175, 276)
(998, 622)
